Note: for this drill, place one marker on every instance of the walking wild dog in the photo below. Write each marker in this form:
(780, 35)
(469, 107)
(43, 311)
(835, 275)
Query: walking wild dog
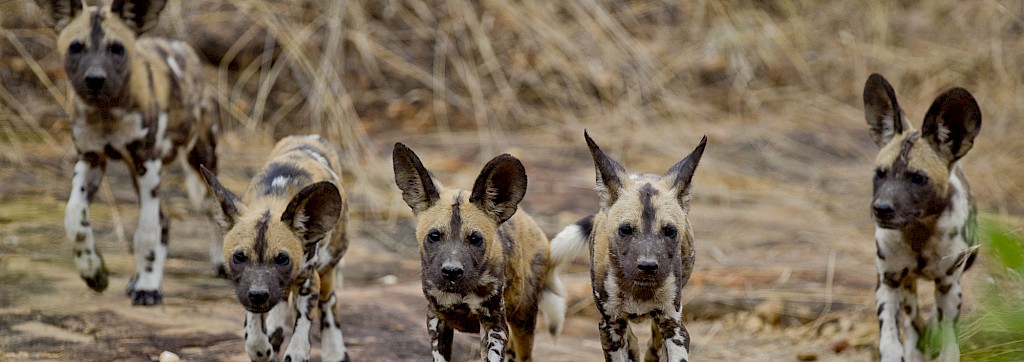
(641, 255)
(485, 266)
(286, 235)
(140, 100)
(924, 214)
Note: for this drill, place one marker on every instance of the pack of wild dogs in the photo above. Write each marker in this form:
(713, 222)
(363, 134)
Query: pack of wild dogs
(487, 267)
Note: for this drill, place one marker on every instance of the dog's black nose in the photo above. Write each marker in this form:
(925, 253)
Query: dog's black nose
(259, 297)
(95, 81)
(647, 266)
(451, 272)
(883, 210)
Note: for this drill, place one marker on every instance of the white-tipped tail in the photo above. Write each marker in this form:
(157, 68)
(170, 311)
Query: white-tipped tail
(569, 244)
(552, 306)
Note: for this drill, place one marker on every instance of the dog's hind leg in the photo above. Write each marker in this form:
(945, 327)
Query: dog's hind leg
(204, 154)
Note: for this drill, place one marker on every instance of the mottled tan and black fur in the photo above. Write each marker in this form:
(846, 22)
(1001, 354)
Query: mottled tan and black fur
(485, 266)
(139, 100)
(641, 255)
(286, 235)
(924, 215)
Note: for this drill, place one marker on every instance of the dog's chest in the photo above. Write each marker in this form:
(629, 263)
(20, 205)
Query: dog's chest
(116, 129)
(620, 303)
(462, 312)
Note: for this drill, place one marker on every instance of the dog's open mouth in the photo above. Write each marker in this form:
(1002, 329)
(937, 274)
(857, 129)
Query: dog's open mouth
(646, 282)
(258, 308)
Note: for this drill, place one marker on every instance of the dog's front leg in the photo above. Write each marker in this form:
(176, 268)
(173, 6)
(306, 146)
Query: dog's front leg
(617, 345)
(911, 325)
(889, 301)
(306, 300)
(440, 338)
(77, 227)
(257, 345)
(493, 335)
(275, 321)
(150, 240)
(948, 298)
(675, 338)
(332, 341)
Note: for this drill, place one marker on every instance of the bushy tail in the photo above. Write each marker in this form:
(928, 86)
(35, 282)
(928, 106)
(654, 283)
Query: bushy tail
(570, 243)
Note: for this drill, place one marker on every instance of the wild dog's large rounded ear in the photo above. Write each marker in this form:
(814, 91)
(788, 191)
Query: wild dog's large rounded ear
(230, 206)
(140, 15)
(500, 187)
(951, 124)
(609, 174)
(682, 173)
(418, 188)
(60, 11)
(882, 111)
(314, 211)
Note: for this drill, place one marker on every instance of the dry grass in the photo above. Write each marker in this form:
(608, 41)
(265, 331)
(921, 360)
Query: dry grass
(494, 67)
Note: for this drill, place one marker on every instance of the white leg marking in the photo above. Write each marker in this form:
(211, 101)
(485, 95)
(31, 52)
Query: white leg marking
(257, 344)
(889, 300)
(909, 313)
(77, 227)
(495, 345)
(331, 340)
(150, 253)
(298, 347)
(947, 307)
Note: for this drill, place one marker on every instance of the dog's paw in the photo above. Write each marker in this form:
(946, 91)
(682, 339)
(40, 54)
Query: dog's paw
(147, 297)
(98, 281)
(256, 354)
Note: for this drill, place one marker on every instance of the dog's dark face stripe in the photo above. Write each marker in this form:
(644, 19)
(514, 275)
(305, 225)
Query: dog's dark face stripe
(455, 226)
(647, 217)
(260, 243)
(96, 32)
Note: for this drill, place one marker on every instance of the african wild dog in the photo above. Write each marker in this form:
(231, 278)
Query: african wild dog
(485, 266)
(140, 100)
(286, 235)
(924, 214)
(641, 255)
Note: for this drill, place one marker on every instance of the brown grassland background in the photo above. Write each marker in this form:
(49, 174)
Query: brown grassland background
(785, 266)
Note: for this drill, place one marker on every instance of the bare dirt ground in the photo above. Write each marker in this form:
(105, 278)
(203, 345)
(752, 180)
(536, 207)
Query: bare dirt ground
(783, 272)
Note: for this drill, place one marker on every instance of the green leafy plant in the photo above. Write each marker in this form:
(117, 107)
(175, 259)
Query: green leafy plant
(994, 331)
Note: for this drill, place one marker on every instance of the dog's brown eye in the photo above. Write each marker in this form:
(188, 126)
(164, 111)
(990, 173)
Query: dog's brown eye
(625, 230)
(918, 178)
(116, 48)
(879, 174)
(434, 236)
(282, 259)
(669, 231)
(475, 239)
(239, 258)
(76, 47)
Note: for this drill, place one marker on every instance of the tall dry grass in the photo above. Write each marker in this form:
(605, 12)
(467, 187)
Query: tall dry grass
(488, 69)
